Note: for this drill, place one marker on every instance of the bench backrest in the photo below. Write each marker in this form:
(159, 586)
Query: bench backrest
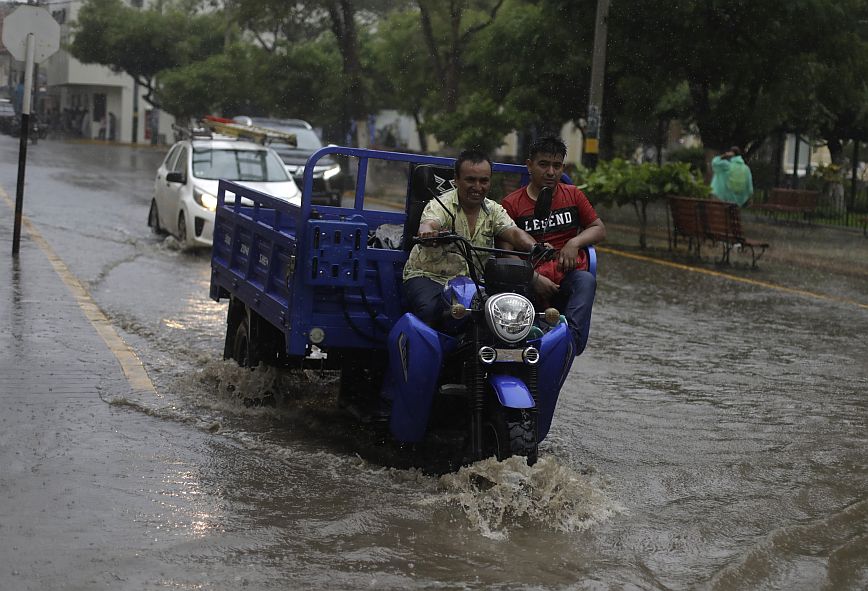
(685, 215)
(705, 218)
(805, 198)
(717, 218)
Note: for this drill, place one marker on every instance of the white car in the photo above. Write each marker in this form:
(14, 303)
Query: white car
(185, 191)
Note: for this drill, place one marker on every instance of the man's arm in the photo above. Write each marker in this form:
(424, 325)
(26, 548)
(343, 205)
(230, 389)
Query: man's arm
(517, 238)
(593, 234)
(521, 240)
(428, 228)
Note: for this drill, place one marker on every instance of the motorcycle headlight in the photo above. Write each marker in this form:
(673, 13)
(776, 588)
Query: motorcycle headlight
(206, 200)
(509, 316)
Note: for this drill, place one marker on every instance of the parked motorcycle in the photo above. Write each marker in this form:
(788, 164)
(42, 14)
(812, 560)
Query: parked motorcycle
(36, 132)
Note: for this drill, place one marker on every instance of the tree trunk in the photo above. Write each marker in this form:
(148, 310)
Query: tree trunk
(342, 14)
(423, 138)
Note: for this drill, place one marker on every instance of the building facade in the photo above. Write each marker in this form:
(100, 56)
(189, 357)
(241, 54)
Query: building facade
(87, 100)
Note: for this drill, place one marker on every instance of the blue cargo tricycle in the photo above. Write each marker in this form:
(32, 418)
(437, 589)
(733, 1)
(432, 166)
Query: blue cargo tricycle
(319, 286)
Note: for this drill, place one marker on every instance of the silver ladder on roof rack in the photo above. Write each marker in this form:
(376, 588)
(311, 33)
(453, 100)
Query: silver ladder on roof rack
(254, 133)
(211, 125)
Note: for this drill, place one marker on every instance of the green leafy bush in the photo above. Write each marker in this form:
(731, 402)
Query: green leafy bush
(618, 182)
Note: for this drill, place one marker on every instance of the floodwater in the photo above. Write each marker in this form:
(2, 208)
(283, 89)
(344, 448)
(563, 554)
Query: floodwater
(712, 436)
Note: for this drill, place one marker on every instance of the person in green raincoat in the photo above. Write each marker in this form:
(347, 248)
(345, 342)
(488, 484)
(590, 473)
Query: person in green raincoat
(732, 180)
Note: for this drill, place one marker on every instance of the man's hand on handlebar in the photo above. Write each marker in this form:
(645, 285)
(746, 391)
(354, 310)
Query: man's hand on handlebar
(430, 237)
(542, 251)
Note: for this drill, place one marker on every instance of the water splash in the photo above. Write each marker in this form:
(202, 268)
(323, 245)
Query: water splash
(497, 495)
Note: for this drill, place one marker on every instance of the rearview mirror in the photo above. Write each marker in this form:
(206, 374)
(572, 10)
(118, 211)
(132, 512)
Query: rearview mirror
(176, 177)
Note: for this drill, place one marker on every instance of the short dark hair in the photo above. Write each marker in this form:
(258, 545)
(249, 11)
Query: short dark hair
(736, 151)
(548, 144)
(473, 156)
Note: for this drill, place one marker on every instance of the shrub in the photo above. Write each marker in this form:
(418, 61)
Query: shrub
(618, 182)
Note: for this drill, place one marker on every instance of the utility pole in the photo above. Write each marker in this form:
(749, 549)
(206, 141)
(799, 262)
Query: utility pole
(595, 100)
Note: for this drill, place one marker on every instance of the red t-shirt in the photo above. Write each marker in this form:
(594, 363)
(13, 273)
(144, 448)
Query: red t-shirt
(571, 213)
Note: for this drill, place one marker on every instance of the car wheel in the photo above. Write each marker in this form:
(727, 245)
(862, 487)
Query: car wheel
(154, 219)
(182, 229)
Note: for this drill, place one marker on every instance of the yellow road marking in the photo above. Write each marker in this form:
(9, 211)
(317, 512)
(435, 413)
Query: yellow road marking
(133, 369)
(729, 276)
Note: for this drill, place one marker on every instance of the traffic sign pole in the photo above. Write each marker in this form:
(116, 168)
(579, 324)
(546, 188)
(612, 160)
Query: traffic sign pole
(22, 145)
(30, 34)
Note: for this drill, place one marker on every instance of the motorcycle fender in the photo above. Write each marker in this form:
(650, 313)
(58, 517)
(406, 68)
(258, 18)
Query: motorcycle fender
(415, 353)
(557, 352)
(511, 391)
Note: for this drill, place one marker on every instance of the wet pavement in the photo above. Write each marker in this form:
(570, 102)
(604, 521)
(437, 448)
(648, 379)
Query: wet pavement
(713, 435)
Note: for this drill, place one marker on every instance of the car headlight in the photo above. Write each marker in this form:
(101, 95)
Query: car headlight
(509, 316)
(206, 200)
(325, 171)
(331, 172)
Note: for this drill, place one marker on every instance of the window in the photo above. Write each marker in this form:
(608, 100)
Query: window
(239, 165)
(169, 160)
(180, 164)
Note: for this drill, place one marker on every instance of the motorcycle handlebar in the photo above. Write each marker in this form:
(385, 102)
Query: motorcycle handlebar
(539, 253)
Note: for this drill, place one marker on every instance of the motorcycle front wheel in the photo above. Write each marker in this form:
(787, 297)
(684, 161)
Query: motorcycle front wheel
(508, 432)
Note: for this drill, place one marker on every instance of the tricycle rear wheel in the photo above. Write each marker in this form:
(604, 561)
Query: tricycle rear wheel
(242, 352)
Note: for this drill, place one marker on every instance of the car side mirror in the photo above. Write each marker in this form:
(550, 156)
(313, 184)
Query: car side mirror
(176, 177)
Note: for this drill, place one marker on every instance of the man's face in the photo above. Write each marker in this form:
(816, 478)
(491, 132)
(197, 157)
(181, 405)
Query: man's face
(473, 183)
(545, 170)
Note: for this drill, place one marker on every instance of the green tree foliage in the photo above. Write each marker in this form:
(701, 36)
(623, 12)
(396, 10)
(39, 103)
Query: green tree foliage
(144, 43)
(478, 123)
(472, 70)
(838, 89)
(188, 92)
(534, 60)
(300, 82)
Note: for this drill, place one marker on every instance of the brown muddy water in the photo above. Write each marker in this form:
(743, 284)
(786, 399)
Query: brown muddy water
(712, 436)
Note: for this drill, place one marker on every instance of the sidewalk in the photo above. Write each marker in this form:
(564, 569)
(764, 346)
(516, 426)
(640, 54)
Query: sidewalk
(47, 344)
(80, 479)
(826, 260)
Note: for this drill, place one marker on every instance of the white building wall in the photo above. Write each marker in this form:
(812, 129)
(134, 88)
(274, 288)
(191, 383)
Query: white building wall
(72, 84)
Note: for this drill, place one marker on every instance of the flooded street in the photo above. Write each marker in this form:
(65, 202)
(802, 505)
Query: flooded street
(712, 436)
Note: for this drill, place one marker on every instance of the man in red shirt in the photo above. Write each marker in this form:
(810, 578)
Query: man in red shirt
(569, 225)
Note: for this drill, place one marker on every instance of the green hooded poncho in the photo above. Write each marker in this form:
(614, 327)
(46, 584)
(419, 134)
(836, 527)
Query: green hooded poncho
(732, 180)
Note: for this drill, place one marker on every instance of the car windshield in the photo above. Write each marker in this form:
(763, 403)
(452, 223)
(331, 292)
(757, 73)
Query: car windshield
(238, 165)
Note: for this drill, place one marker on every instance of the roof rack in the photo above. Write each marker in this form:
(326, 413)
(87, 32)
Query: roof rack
(254, 133)
(191, 133)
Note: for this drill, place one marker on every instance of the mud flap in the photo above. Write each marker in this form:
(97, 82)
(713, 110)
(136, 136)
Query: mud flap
(415, 356)
(557, 352)
(511, 391)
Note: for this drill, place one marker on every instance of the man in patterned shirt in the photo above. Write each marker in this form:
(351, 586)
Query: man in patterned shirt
(477, 218)
(570, 224)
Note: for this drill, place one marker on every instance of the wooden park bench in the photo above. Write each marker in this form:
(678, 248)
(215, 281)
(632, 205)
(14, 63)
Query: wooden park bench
(719, 222)
(797, 201)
